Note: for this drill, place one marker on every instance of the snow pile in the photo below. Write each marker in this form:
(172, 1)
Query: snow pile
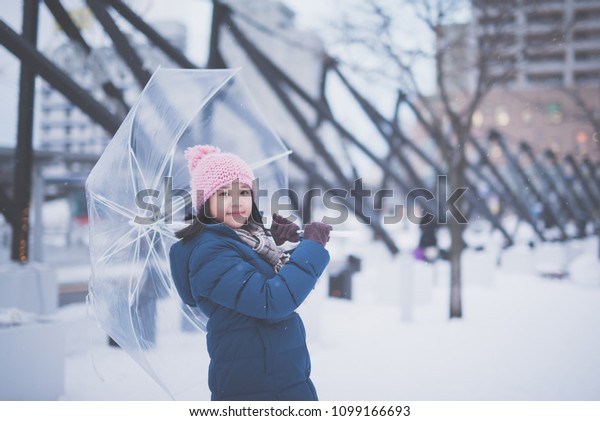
(11, 317)
(585, 270)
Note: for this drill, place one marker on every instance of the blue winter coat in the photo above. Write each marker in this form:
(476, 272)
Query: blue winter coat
(255, 339)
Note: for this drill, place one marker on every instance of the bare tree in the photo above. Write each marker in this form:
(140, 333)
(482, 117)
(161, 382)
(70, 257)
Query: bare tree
(469, 61)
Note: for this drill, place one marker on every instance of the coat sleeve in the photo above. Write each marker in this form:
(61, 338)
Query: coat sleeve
(179, 275)
(219, 273)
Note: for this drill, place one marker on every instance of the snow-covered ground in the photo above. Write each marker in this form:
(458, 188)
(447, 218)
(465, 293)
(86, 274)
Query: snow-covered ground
(522, 336)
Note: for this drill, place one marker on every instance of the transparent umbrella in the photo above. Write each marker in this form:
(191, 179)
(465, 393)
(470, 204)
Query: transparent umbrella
(138, 196)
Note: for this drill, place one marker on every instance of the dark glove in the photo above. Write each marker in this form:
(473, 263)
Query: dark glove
(317, 231)
(283, 230)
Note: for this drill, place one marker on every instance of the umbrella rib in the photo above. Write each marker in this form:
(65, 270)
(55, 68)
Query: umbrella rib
(119, 245)
(137, 164)
(115, 248)
(153, 252)
(135, 288)
(177, 208)
(131, 154)
(267, 161)
(171, 153)
(113, 206)
(171, 156)
(185, 126)
(164, 231)
(130, 148)
(109, 231)
(167, 233)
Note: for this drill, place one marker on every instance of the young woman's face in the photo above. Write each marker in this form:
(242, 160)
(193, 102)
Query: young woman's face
(231, 204)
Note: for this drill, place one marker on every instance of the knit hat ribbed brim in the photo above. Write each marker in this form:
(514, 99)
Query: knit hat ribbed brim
(211, 169)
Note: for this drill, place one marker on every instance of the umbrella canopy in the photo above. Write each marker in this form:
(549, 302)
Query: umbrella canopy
(138, 195)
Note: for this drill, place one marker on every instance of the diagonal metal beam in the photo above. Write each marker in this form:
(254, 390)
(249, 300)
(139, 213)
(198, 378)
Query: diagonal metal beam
(266, 68)
(317, 178)
(273, 75)
(519, 206)
(591, 174)
(583, 182)
(496, 137)
(582, 206)
(120, 42)
(325, 104)
(66, 23)
(62, 17)
(58, 79)
(392, 134)
(157, 39)
(261, 62)
(215, 59)
(549, 184)
(383, 127)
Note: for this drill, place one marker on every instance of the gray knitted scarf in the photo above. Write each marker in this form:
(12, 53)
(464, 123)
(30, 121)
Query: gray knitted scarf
(257, 239)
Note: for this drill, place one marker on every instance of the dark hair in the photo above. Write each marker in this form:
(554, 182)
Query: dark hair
(203, 218)
(198, 222)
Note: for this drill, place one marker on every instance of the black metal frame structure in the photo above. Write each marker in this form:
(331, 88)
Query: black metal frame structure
(397, 168)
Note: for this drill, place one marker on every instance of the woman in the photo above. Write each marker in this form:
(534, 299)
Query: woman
(236, 271)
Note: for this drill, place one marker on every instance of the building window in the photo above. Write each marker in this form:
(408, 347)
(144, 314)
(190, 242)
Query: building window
(544, 18)
(547, 79)
(592, 35)
(587, 15)
(538, 2)
(587, 56)
(501, 116)
(496, 20)
(505, 59)
(497, 39)
(545, 39)
(582, 78)
(546, 58)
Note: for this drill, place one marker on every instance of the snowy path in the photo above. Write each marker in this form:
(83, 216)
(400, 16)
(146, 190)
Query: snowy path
(545, 349)
(521, 338)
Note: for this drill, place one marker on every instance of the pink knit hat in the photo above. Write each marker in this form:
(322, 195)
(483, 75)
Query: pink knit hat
(211, 169)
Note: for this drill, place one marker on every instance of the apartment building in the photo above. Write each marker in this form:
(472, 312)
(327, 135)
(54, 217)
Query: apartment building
(552, 48)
